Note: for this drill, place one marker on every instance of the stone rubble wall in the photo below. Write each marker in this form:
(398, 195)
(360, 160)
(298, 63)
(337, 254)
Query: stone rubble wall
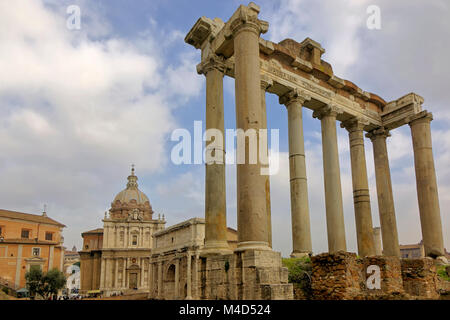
(420, 277)
(342, 276)
(255, 274)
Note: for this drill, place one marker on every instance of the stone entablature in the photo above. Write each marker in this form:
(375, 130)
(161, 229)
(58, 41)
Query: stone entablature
(292, 65)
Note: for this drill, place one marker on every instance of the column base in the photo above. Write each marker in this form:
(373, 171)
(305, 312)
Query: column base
(441, 260)
(252, 245)
(216, 247)
(300, 254)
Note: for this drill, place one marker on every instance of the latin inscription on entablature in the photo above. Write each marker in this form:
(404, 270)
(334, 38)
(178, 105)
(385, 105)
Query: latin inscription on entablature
(274, 70)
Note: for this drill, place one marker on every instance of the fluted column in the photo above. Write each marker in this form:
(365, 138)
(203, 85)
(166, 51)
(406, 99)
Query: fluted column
(265, 84)
(215, 197)
(427, 192)
(386, 207)
(251, 185)
(301, 229)
(332, 179)
(361, 197)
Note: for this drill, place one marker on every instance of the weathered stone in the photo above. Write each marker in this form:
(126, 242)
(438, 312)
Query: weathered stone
(420, 278)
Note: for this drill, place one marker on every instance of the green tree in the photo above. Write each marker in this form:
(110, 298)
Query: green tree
(53, 281)
(44, 285)
(34, 281)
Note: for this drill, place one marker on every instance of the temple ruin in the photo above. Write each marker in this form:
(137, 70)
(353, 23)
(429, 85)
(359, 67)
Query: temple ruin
(296, 73)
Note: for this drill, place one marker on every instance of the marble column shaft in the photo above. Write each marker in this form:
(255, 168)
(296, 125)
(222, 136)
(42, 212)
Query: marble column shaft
(332, 179)
(427, 191)
(386, 207)
(265, 83)
(361, 197)
(215, 194)
(251, 185)
(301, 228)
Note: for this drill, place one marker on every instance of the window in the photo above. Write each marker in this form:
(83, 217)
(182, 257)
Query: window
(25, 234)
(49, 236)
(134, 240)
(36, 252)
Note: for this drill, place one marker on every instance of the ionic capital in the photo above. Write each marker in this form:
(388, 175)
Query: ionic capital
(327, 110)
(294, 95)
(246, 19)
(212, 62)
(420, 117)
(380, 132)
(354, 124)
(266, 82)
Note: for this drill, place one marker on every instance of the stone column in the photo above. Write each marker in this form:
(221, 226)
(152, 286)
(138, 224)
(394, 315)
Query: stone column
(265, 84)
(160, 279)
(215, 196)
(188, 278)
(377, 240)
(301, 229)
(177, 279)
(384, 191)
(106, 281)
(150, 279)
(116, 274)
(361, 197)
(124, 273)
(251, 185)
(142, 272)
(427, 192)
(102, 274)
(332, 178)
(196, 281)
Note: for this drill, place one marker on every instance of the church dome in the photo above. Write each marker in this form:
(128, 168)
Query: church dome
(131, 192)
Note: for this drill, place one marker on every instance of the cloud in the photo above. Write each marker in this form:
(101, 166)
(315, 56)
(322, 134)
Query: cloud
(78, 107)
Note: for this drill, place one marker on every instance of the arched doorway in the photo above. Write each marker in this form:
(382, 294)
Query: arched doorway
(169, 283)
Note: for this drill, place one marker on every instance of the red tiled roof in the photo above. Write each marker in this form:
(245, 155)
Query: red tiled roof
(28, 217)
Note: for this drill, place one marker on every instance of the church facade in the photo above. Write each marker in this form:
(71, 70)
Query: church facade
(126, 244)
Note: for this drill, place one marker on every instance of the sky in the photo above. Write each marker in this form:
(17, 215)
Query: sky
(78, 107)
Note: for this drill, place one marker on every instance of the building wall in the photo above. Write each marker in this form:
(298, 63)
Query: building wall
(92, 241)
(16, 254)
(90, 270)
(12, 229)
(174, 249)
(90, 260)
